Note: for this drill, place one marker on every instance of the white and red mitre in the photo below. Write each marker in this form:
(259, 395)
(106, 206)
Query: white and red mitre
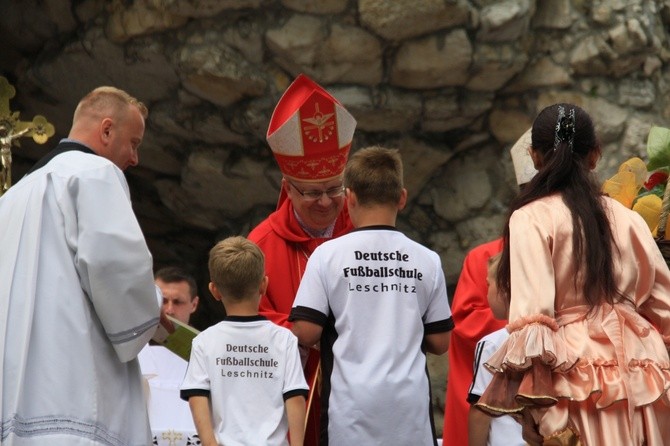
(310, 132)
(524, 169)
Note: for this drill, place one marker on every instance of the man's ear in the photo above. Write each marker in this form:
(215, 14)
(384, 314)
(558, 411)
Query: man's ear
(286, 185)
(194, 302)
(106, 130)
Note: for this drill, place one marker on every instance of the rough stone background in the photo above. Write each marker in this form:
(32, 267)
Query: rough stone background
(451, 83)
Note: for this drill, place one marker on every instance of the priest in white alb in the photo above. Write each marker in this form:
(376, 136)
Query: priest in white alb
(77, 297)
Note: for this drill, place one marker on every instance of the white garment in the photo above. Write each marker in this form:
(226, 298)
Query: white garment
(247, 366)
(376, 293)
(503, 430)
(169, 415)
(77, 303)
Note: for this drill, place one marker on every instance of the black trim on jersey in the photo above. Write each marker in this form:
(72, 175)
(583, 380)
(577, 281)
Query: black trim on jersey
(60, 148)
(439, 326)
(185, 394)
(307, 314)
(328, 338)
(254, 318)
(472, 398)
(375, 228)
(297, 392)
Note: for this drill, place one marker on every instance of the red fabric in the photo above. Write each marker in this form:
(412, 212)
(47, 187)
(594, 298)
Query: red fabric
(287, 247)
(473, 320)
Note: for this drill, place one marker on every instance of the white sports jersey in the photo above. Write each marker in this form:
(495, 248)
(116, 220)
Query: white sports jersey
(248, 367)
(504, 430)
(376, 293)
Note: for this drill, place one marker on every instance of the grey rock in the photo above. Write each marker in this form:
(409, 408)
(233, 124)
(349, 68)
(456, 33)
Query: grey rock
(431, 62)
(402, 19)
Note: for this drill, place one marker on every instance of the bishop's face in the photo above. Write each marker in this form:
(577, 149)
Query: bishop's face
(316, 213)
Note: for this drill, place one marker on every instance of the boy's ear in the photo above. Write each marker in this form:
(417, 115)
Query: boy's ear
(264, 285)
(214, 291)
(350, 195)
(403, 199)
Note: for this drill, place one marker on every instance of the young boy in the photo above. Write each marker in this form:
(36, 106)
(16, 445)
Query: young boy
(245, 368)
(483, 430)
(377, 301)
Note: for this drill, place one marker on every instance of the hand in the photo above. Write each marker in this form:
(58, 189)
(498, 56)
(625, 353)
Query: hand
(530, 430)
(165, 322)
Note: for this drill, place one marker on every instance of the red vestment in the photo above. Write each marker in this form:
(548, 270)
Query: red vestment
(287, 247)
(473, 320)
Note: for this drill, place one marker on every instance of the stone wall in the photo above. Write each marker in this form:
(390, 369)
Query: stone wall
(451, 83)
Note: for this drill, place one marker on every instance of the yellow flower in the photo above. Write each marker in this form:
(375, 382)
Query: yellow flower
(649, 207)
(622, 187)
(638, 168)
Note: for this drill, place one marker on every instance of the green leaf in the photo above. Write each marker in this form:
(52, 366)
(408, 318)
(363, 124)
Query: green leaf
(658, 148)
(657, 190)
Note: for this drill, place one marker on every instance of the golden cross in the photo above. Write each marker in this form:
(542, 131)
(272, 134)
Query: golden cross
(172, 437)
(11, 128)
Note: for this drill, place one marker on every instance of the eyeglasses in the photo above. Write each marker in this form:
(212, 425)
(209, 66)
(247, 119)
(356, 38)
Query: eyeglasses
(314, 195)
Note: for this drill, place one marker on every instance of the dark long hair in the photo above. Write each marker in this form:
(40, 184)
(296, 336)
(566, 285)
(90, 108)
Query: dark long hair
(566, 151)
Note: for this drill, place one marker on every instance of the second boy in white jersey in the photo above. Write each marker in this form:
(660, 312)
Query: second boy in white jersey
(377, 301)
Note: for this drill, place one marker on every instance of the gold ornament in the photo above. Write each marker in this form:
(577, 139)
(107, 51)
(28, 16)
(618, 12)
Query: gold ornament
(11, 129)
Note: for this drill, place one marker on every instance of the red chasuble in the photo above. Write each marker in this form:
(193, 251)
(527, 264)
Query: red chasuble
(473, 320)
(287, 247)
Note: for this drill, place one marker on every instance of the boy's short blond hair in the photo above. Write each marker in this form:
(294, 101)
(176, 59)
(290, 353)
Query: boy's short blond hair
(236, 267)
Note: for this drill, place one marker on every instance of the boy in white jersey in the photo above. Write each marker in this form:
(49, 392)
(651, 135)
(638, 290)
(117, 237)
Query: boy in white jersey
(376, 301)
(246, 368)
(483, 429)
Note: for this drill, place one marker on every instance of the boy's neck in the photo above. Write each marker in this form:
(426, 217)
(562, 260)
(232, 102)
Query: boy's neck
(376, 216)
(244, 308)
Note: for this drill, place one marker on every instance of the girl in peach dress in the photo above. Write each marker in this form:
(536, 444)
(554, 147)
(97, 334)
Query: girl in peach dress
(588, 298)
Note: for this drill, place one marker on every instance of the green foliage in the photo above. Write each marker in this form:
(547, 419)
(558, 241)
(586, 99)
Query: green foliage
(658, 148)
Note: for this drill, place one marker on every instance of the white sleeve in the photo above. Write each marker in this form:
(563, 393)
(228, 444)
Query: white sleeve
(294, 378)
(482, 376)
(312, 290)
(111, 256)
(196, 377)
(438, 303)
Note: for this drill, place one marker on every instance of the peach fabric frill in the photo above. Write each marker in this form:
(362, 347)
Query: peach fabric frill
(601, 372)
(537, 369)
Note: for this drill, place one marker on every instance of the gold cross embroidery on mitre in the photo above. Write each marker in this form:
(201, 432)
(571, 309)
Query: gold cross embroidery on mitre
(319, 122)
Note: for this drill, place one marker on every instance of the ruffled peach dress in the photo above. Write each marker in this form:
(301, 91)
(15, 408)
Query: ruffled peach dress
(602, 376)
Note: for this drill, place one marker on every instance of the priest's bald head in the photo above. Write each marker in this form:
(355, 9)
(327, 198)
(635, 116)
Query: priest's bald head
(111, 123)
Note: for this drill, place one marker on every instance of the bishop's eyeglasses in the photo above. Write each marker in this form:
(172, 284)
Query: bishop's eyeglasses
(314, 195)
